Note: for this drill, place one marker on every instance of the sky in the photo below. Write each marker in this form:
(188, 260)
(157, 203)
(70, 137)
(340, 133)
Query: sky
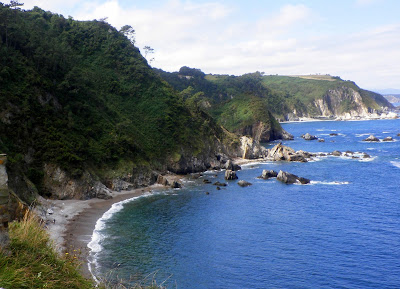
(358, 40)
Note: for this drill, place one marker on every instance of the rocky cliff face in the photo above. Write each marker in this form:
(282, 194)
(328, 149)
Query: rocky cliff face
(261, 132)
(345, 103)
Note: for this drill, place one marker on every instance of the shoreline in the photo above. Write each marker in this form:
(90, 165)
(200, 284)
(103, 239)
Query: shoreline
(307, 119)
(75, 221)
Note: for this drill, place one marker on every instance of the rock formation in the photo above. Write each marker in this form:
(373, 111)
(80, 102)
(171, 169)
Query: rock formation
(308, 136)
(243, 183)
(283, 153)
(388, 138)
(267, 174)
(230, 175)
(371, 138)
(289, 178)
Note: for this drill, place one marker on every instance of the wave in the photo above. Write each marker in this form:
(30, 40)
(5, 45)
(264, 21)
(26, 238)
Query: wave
(97, 236)
(336, 183)
(396, 164)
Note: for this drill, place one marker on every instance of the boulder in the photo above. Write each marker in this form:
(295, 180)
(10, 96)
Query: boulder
(220, 184)
(289, 178)
(251, 149)
(230, 175)
(321, 140)
(388, 138)
(297, 157)
(398, 134)
(286, 177)
(336, 153)
(304, 181)
(176, 185)
(333, 134)
(366, 156)
(371, 138)
(243, 183)
(206, 181)
(266, 174)
(308, 136)
(229, 165)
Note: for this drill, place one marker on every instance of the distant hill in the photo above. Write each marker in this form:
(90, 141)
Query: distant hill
(238, 101)
(393, 98)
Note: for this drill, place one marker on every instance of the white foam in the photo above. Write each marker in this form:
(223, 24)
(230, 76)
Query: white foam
(396, 164)
(362, 134)
(95, 243)
(328, 183)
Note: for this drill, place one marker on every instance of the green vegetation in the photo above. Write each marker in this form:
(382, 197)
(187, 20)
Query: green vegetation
(237, 101)
(233, 101)
(80, 94)
(32, 262)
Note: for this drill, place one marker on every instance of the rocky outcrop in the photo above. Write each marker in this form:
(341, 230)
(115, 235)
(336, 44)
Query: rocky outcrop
(263, 132)
(371, 138)
(267, 174)
(168, 181)
(283, 153)
(243, 183)
(230, 175)
(11, 207)
(252, 149)
(229, 165)
(388, 138)
(308, 136)
(289, 178)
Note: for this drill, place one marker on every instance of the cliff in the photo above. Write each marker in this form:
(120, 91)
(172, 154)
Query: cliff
(82, 112)
(325, 97)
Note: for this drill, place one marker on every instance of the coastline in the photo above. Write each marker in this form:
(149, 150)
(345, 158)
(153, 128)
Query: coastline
(75, 221)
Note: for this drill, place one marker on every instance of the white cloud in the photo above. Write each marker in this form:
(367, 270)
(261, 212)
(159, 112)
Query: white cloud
(211, 36)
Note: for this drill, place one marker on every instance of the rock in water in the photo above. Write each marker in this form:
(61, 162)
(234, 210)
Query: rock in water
(371, 138)
(176, 185)
(289, 178)
(308, 136)
(230, 175)
(229, 165)
(244, 183)
(286, 177)
(336, 153)
(219, 184)
(388, 138)
(304, 181)
(266, 174)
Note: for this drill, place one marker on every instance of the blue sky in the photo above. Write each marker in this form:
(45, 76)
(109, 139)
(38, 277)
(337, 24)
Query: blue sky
(355, 39)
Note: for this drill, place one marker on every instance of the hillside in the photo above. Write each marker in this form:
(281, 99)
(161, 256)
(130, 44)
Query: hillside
(237, 102)
(81, 105)
(393, 98)
(242, 104)
(324, 97)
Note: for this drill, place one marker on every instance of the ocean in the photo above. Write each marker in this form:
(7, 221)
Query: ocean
(340, 231)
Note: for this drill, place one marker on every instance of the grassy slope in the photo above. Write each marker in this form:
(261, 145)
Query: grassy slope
(79, 94)
(33, 262)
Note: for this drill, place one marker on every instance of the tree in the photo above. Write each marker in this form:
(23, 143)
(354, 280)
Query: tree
(15, 4)
(147, 50)
(129, 32)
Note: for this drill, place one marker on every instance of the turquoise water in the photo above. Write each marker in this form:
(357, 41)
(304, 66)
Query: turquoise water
(340, 231)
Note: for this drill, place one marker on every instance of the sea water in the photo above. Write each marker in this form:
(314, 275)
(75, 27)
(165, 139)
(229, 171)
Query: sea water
(340, 231)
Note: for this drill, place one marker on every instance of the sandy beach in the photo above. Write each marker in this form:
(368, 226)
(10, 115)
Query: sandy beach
(70, 223)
